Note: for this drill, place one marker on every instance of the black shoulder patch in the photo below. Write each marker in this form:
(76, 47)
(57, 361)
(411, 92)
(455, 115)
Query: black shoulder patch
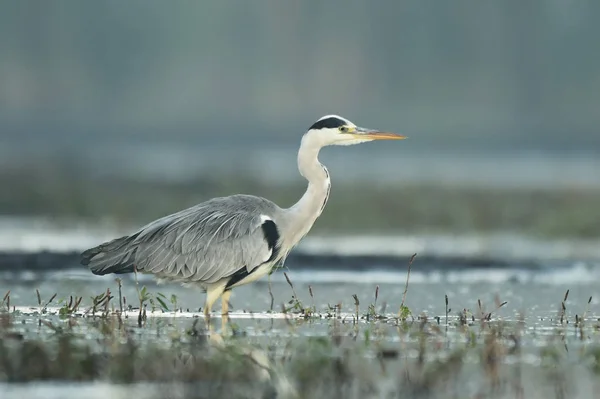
(271, 234)
(328, 123)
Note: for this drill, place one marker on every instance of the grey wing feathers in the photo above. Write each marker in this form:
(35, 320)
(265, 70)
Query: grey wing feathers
(204, 243)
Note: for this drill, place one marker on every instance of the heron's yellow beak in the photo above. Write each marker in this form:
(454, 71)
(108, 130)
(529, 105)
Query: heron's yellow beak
(362, 133)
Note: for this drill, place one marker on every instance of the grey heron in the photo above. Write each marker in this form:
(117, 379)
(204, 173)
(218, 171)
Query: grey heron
(226, 242)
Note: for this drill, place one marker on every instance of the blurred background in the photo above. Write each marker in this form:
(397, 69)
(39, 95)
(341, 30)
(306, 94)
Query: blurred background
(121, 112)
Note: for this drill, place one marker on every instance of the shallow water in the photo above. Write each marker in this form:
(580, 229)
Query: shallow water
(537, 357)
(536, 299)
(546, 359)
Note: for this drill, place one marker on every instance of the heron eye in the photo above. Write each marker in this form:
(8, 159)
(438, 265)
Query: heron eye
(343, 129)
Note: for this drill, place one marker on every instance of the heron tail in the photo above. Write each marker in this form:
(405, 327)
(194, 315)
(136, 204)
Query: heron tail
(116, 256)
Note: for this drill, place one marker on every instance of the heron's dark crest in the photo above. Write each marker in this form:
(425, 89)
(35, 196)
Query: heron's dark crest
(329, 122)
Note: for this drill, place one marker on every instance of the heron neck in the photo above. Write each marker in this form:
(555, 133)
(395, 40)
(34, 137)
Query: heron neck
(304, 212)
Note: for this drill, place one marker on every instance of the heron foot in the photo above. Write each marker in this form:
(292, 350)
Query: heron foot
(207, 314)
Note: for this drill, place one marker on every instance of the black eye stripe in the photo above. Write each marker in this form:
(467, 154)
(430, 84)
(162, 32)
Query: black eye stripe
(328, 123)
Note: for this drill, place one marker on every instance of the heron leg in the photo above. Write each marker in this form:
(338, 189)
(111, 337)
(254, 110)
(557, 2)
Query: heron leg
(213, 292)
(225, 302)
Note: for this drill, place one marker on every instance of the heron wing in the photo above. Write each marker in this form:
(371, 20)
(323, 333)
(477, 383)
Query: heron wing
(207, 242)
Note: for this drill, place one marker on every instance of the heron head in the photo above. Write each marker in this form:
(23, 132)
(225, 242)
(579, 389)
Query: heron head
(335, 130)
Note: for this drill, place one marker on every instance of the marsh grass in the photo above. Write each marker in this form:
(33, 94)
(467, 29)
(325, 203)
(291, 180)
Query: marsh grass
(363, 354)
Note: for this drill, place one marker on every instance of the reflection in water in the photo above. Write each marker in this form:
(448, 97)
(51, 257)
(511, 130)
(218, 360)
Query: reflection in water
(264, 370)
